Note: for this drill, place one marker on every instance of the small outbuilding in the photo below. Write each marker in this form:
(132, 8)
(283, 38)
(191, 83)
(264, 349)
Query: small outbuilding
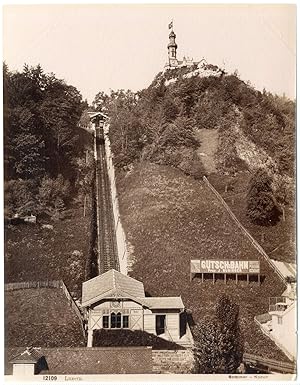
(28, 363)
(116, 301)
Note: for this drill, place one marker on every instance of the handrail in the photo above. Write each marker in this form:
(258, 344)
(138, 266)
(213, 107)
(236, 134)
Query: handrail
(169, 333)
(287, 367)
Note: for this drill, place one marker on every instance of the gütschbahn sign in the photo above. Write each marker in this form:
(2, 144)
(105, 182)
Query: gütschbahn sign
(213, 266)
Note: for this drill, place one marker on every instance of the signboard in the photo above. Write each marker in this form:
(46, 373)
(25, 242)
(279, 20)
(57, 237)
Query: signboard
(224, 266)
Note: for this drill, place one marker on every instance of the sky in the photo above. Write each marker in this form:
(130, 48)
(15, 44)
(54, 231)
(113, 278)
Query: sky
(101, 47)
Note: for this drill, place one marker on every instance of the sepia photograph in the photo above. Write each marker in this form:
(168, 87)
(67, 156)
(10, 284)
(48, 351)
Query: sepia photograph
(149, 181)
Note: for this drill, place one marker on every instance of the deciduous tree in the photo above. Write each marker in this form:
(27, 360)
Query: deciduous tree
(262, 207)
(218, 341)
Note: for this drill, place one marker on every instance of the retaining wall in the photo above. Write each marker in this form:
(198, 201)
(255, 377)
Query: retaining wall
(76, 361)
(173, 361)
(119, 231)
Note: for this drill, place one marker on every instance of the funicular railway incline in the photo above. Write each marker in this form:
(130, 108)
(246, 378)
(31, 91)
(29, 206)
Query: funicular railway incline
(107, 244)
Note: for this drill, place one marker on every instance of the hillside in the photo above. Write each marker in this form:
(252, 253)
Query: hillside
(37, 253)
(165, 138)
(213, 124)
(169, 219)
(40, 317)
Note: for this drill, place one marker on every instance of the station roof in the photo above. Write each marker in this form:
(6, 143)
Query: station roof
(286, 269)
(111, 284)
(94, 114)
(163, 302)
(114, 284)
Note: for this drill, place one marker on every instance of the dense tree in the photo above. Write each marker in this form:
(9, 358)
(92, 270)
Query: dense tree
(145, 125)
(53, 195)
(262, 207)
(41, 124)
(227, 314)
(218, 341)
(41, 137)
(20, 197)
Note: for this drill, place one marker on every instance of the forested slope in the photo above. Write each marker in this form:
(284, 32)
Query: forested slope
(48, 172)
(164, 140)
(43, 144)
(221, 127)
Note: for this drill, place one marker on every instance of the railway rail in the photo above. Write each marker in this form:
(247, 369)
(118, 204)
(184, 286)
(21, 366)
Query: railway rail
(107, 244)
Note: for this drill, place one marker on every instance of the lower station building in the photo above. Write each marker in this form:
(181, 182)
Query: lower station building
(116, 301)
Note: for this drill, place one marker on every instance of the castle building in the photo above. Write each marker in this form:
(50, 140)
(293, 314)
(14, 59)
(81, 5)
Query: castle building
(173, 62)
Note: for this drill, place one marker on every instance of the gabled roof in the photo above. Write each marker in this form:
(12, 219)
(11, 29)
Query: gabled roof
(93, 114)
(29, 356)
(114, 284)
(163, 302)
(111, 284)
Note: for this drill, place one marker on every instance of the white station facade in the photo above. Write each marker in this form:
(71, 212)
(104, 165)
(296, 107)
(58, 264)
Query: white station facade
(116, 301)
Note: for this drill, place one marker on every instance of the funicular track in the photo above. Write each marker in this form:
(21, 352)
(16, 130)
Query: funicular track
(107, 246)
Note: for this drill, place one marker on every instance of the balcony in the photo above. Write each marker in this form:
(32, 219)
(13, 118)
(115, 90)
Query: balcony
(278, 304)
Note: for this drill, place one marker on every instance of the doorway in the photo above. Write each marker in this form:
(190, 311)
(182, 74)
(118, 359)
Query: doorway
(160, 324)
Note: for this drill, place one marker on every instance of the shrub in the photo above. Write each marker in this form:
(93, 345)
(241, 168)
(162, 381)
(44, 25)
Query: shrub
(262, 207)
(53, 195)
(20, 197)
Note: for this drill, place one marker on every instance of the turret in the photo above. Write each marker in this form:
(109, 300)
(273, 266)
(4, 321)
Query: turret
(172, 46)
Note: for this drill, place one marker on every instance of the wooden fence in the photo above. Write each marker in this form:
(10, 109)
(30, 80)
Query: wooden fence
(48, 284)
(248, 235)
(32, 285)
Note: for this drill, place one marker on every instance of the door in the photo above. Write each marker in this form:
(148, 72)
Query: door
(182, 324)
(160, 324)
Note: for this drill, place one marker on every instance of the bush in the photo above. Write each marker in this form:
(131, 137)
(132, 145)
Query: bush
(262, 207)
(53, 195)
(20, 197)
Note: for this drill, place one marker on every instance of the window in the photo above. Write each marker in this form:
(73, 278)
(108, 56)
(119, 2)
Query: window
(115, 320)
(105, 321)
(125, 321)
(279, 320)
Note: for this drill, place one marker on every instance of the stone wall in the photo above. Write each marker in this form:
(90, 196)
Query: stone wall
(113, 360)
(173, 361)
(119, 231)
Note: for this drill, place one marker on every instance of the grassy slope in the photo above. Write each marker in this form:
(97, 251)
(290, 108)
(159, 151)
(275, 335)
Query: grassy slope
(208, 140)
(40, 317)
(33, 253)
(170, 219)
(279, 240)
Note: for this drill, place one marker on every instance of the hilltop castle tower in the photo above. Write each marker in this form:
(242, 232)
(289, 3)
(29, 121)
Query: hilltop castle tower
(172, 48)
(173, 62)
